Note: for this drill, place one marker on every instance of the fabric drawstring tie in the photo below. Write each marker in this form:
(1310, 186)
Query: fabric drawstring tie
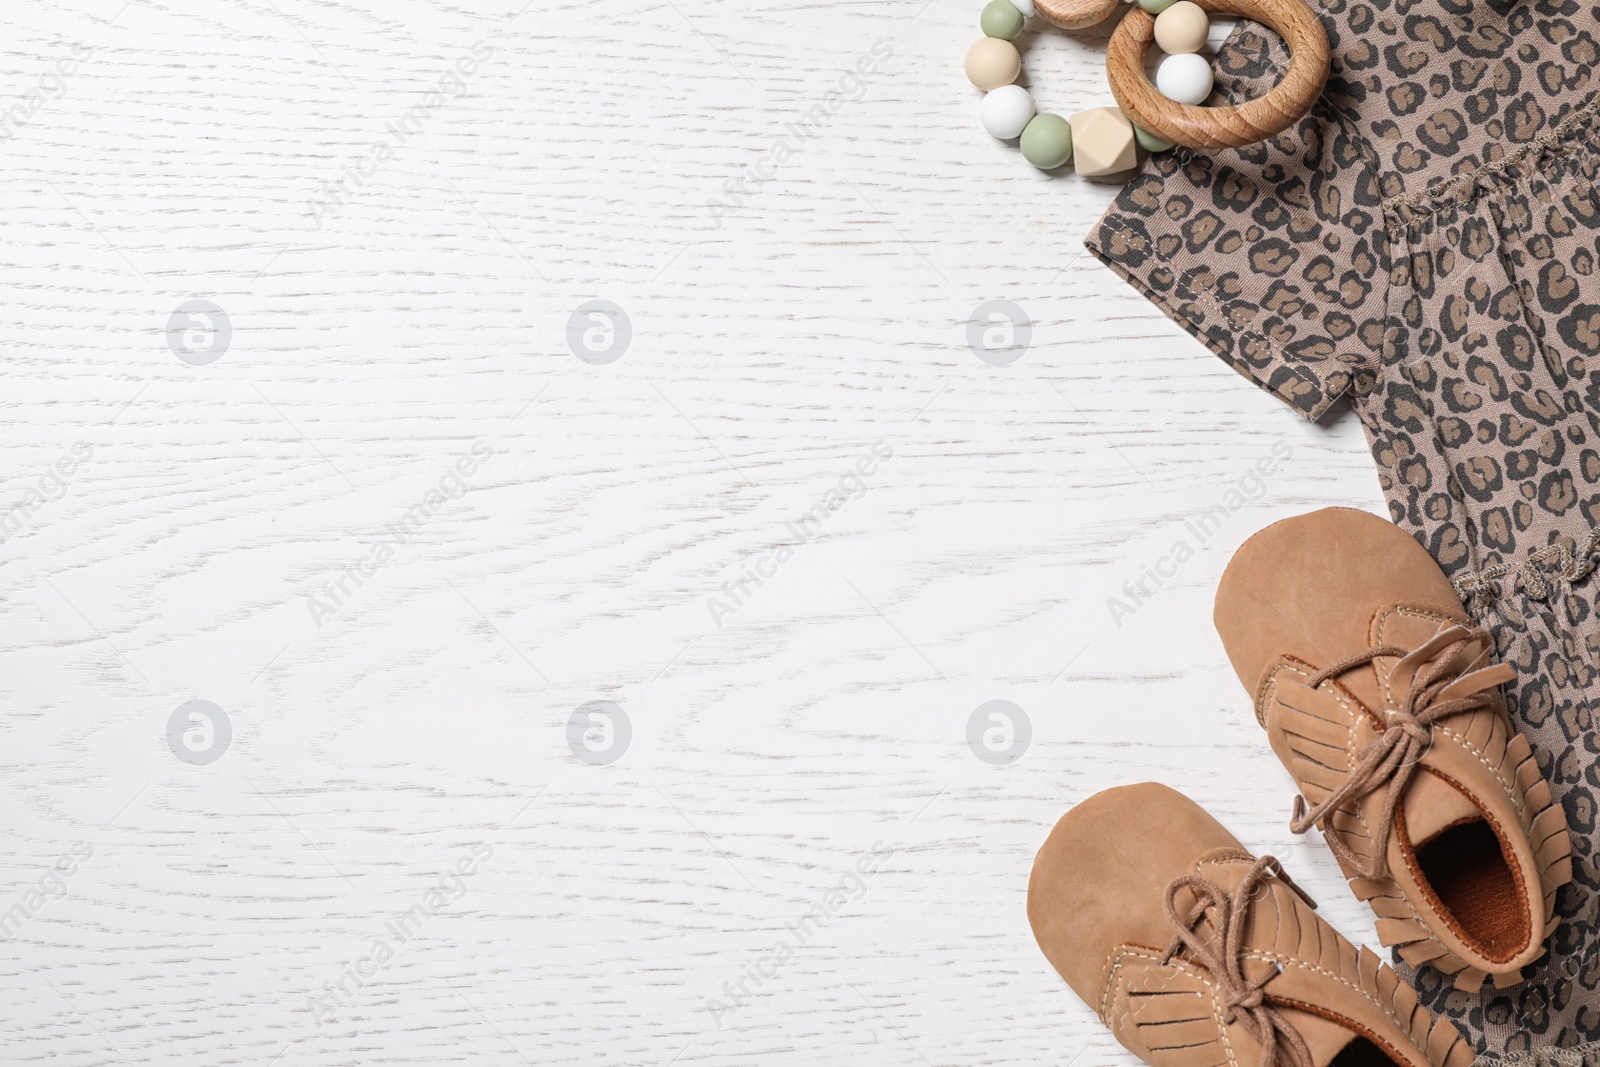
(1243, 999)
(1447, 677)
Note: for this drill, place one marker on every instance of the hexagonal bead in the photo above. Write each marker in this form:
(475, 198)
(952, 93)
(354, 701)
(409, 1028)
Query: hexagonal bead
(1102, 142)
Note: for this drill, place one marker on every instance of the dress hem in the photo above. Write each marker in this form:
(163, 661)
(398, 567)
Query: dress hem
(1545, 1056)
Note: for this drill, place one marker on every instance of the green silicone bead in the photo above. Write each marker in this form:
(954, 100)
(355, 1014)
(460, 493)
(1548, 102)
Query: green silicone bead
(1047, 141)
(1156, 7)
(1149, 141)
(1001, 19)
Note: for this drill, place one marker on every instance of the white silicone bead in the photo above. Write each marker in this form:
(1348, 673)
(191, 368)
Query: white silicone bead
(1006, 110)
(1024, 6)
(1184, 78)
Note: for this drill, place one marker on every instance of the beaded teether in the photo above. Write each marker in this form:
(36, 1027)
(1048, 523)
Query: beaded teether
(1102, 140)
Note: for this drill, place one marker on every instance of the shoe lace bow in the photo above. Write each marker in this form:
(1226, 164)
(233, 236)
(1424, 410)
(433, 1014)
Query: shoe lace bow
(1220, 954)
(1447, 675)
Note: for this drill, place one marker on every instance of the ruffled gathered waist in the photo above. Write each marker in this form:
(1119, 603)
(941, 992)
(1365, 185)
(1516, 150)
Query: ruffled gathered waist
(1538, 576)
(1572, 145)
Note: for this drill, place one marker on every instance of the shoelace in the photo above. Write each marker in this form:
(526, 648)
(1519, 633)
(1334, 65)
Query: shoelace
(1443, 684)
(1221, 955)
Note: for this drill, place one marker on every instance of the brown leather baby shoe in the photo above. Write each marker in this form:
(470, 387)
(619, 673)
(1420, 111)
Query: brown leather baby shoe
(1195, 953)
(1382, 699)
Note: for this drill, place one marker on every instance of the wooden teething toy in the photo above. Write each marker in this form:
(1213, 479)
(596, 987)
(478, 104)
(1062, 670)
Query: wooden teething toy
(1221, 127)
(1102, 140)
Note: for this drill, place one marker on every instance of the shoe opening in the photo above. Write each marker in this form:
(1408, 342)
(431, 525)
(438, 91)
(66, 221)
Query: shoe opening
(1362, 1053)
(1469, 872)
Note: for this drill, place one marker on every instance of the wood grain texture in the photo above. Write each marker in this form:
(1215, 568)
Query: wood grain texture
(1075, 14)
(1224, 126)
(427, 716)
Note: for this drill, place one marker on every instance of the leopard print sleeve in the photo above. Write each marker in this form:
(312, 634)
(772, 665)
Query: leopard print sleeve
(1271, 255)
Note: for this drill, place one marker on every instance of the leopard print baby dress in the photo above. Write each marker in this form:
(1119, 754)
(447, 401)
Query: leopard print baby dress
(1426, 244)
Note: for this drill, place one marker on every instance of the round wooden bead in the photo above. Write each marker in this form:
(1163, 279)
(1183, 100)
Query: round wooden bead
(1005, 111)
(992, 63)
(1047, 141)
(1149, 141)
(1180, 29)
(1184, 78)
(1001, 19)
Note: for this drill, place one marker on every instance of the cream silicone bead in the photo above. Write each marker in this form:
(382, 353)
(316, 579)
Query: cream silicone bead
(992, 63)
(1182, 28)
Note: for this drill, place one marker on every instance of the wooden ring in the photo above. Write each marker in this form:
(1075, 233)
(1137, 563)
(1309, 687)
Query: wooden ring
(1075, 14)
(1222, 127)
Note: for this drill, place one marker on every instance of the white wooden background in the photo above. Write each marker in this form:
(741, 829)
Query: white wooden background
(428, 715)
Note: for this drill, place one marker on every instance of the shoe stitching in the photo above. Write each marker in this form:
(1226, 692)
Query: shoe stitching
(1356, 710)
(1434, 616)
(1520, 809)
(1126, 952)
(1444, 913)
(1350, 1024)
(1266, 956)
(1337, 693)
(1510, 787)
